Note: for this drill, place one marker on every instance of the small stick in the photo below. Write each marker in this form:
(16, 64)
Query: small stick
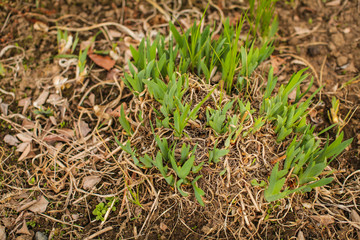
(99, 233)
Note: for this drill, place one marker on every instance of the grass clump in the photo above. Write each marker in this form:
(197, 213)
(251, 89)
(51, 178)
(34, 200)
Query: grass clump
(162, 72)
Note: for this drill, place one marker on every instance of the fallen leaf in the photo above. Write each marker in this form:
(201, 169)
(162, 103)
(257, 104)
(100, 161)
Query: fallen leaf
(2, 233)
(41, 99)
(301, 31)
(90, 181)
(84, 128)
(21, 147)
(25, 103)
(54, 138)
(40, 26)
(26, 123)
(40, 206)
(333, 3)
(307, 205)
(11, 140)
(276, 62)
(324, 219)
(69, 133)
(300, 236)
(163, 226)
(114, 33)
(53, 120)
(354, 216)
(113, 74)
(4, 108)
(54, 99)
(25, 152)
(24, 229)
(92, 99)
(24, 137)
(102, 61)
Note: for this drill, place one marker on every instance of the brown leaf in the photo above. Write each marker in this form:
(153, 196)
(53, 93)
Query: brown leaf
(113, 74)
(276, 62)
(114, 33)
(84, 128)
(25, 152)
(40, 206)
(40, 26)
(41, 99)
(24, 229)
(300, 236)
(25, 103)
(69, 133)
(163, 226)
(26, 123)
(4, 108)
(24, 137)
(102, 61)
(301, 31)
(11, 140)
(324, 219)
(90, 181)
(354, 216)
(55, 138)
(21, 147)
(333, 3)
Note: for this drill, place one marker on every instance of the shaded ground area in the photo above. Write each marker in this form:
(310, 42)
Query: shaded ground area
(66, 160)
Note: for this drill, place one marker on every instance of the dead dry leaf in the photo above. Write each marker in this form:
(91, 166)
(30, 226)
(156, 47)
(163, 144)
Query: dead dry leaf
(114, 33)
(25, 103)
(54, 138)
(102, 61)
(113, 74)
(276, 62)
(41, 99)
(300, 236)
(69, 133)
(24, 137)
(324, 219)
(26, 152)
(21, 147)
(333, 3)
(90, 181)
(4, 108)
(54, 99)
(301, 31)
(40, 26)
(24, 229)
(26, 123)
(84, 128)
(163, 227)
(92, 99)
(40, 206)
(354, 216)
(11, 140)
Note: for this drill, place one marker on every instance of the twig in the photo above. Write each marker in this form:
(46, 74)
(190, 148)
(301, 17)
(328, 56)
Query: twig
(98, 233)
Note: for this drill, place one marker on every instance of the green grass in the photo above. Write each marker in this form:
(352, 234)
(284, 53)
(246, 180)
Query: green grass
(162, 70)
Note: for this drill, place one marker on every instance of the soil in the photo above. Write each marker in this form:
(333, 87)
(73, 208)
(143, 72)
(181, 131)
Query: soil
(321, 35)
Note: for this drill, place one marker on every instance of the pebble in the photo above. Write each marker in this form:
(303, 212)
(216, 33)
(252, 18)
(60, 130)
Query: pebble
(338, 39)
(342, 60)
(40, 236)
